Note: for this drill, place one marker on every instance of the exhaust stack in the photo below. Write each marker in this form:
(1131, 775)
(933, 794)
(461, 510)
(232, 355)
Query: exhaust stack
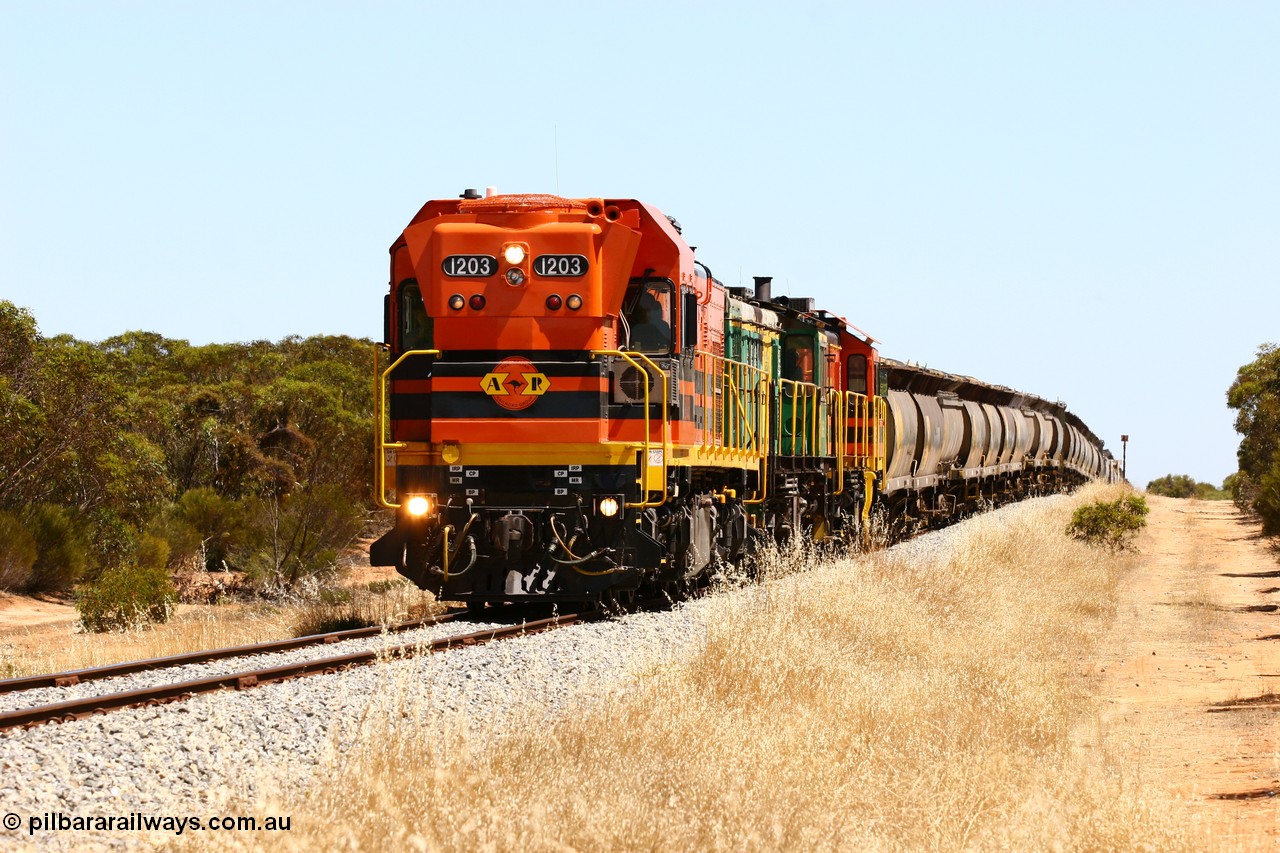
(764, 288)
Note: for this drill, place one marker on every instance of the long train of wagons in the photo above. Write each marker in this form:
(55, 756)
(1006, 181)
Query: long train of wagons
(572, 407)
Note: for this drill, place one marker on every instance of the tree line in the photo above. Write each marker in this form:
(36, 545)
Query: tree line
(142, 450)
(1185, 486)
(1255, 396)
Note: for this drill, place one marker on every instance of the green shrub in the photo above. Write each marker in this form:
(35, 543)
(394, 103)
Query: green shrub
(1173, 486)
(302, 535)
(1184, 486)
(114, 542)
(17, 553)
(153, 551)
(1209, 492)
(1110, 524)
(126, 597)
(1243, 492)
(220, 523)
(1230, 485)
(183, 540)
(62, 550)
(1266, 502)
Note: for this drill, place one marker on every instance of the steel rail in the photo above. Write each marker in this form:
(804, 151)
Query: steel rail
(114, 670)
(77, 709)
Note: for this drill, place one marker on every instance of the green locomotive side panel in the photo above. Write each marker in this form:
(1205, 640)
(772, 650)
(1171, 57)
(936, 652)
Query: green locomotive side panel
(752, 337)
(798, 393)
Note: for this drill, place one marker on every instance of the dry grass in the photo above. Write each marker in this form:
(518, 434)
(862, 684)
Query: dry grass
(45, 649)
(877, 704)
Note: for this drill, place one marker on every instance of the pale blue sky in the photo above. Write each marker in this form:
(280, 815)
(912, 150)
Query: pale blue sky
(1081, 200)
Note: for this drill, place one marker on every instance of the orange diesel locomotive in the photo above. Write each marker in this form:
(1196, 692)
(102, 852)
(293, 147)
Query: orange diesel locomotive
(572, 407)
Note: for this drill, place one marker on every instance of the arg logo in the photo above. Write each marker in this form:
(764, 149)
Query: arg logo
(515, 383)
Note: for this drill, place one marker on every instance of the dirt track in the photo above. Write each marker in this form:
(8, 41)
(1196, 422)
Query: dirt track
(1190, 672)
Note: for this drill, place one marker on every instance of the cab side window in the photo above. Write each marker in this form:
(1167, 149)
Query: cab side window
(797, 358)
(647, 313)
(415, 325)
(689, 313)
(857, 373)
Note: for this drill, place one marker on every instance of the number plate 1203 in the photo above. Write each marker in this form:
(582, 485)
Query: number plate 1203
(560, 266)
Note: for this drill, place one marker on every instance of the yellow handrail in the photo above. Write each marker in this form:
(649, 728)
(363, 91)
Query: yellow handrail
(731, 392)
(869, 431)
(766, 438)
(379, 461)
(804, 430)
(630, 358)
(381, 445)
(740, 417)
(840, 415)
(880, 440)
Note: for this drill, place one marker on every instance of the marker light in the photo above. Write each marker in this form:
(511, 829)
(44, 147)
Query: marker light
(418, 506)
(609, 507)
(513, 254)
(554, 302)
(457, 302)
(477, 302)
(574, 302)
(515, 277)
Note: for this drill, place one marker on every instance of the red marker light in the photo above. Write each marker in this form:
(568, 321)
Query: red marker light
(477, 302)
(554, 302)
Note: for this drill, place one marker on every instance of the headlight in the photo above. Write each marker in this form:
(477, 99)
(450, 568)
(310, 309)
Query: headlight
(513, 253)
(418, 506)
(609, 506)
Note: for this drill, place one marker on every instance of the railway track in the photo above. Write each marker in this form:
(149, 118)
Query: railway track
(76, 709)
(115, 670)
